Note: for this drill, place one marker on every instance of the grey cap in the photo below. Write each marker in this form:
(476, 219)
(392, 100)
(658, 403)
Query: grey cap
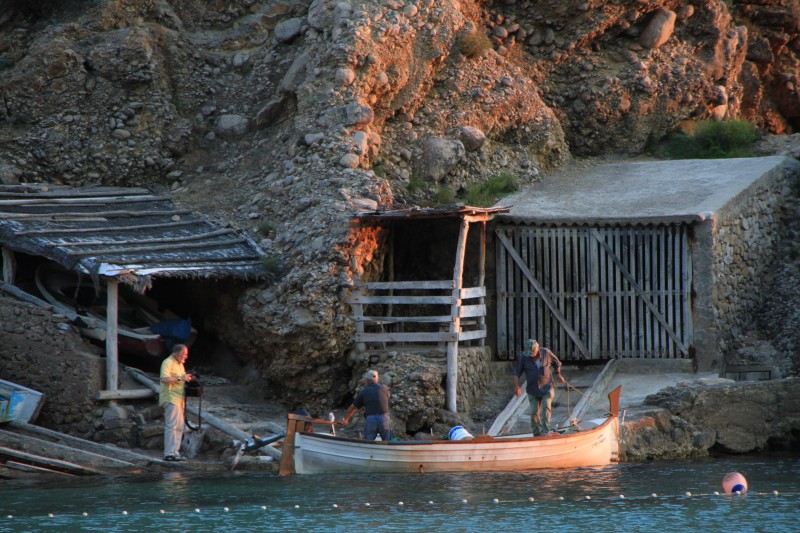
(370, 374)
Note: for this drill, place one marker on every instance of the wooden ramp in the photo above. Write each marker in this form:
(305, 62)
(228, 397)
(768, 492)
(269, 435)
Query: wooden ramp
(29, 448)
(567, 404)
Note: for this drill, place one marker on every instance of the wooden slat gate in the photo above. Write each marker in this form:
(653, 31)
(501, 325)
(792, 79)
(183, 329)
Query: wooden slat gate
(595, 292)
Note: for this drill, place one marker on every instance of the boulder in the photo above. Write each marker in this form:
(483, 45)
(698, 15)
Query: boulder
(659, 29)
(440, 156)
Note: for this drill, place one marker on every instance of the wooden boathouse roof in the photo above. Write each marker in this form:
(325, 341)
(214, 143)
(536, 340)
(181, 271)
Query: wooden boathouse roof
(129, 233)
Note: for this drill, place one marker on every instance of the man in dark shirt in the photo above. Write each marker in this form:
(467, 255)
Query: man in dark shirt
(374, 398)
(538, 363)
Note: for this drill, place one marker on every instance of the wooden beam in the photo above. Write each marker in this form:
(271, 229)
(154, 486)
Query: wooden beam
(66, 192)
(81, 202)
(165, 263)
(107, 229)
(482, 278)
(128, 394)
(455, 325)
(148, 249)
(422, 285)
(112, 360)
(180, 238)
(406, 336)
(95, 215)
(9, 265)
(24, 296)
(413, 300)
(47, 462)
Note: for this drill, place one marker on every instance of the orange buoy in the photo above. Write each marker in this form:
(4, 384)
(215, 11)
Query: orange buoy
(734, 482)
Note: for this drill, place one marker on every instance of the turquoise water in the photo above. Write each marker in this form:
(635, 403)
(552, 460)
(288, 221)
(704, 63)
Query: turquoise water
(674, 496)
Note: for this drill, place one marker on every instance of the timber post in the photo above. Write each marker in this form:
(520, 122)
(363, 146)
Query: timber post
(455, 319)
(112, 359)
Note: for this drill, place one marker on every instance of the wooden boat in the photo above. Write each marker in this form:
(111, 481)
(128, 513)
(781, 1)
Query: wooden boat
(142, 330)
(18, 403)
(306, 452)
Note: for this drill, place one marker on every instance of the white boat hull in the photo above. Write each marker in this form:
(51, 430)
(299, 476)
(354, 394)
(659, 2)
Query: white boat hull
(316, 453)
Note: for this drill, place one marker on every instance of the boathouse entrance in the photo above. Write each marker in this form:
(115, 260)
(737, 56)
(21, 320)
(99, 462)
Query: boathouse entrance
(595, 292)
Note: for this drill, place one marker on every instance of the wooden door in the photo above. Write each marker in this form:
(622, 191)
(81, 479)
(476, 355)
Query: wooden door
(594, 292)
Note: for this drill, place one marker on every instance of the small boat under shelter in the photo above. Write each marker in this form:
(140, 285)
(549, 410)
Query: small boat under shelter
(592, 443)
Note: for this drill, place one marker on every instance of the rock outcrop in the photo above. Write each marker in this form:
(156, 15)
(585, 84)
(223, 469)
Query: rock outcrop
(286, 118)
(694, 419)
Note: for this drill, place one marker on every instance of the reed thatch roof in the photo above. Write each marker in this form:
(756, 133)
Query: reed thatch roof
(128, 233)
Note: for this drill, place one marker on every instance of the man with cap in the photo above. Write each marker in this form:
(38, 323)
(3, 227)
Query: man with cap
(538, 364)
(374, 398)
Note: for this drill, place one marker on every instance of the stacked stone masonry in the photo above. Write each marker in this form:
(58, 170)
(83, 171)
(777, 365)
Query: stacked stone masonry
(42, 351)
(744, 248)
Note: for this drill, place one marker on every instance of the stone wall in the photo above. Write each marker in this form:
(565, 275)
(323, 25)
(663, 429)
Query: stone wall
(744, 245)
(473, 376)
(42, 351)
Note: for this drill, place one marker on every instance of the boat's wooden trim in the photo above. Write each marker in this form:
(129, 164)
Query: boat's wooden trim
(308, 452)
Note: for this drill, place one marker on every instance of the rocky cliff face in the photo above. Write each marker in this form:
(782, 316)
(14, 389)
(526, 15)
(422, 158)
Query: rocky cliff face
(285, 118)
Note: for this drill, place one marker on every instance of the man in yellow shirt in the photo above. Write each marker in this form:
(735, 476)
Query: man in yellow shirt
(171, 398)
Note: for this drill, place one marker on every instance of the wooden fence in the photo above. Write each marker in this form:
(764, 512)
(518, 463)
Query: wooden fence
(421, 312)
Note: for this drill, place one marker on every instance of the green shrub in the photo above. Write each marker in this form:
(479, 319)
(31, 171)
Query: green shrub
(416, 183)
(266, 227)
(473, 44)
(486, 194)
(271, 263)
(444, 195)
(712, 139)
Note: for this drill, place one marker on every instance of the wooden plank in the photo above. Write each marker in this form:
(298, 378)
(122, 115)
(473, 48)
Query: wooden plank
(533, 281)
(22, 467)
(81, 202)
(24, 296)
(481, 278)
(96, 215)
(86, 445)
(471, 292)
(593, 305)
(647, 281)
(413, 300)
(179, 238)
(406, 336)
(358, 313)
(472, 311)
(403, 285)
(149, 249)
(110, 229)
(472, 334)
(508, 416)
(401, 319)
(56, 464)
(561, 266)
(502, 300)
(127, 394)
(66, 192)
(62, 452)
(639, 291)
(686, 279)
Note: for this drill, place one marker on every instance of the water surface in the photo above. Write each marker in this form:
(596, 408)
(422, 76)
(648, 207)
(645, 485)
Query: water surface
(658, 497)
